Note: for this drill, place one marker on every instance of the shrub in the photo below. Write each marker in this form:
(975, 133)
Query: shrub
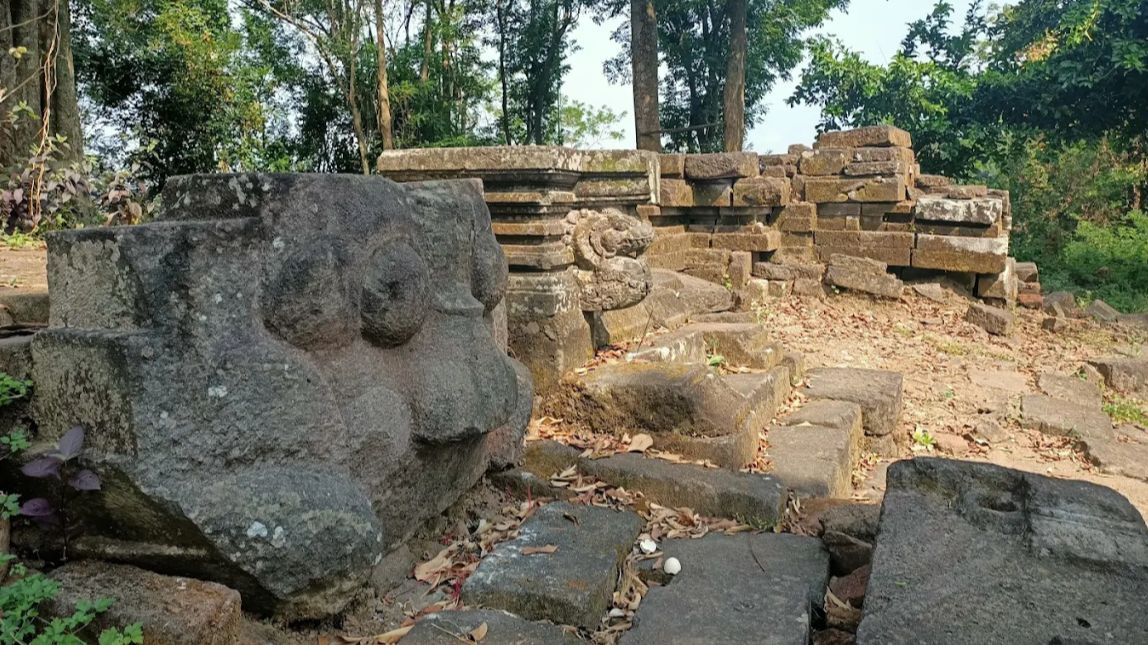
(1109, 262)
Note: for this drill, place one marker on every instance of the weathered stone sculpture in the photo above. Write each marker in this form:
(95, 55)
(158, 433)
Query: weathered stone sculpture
(282, 377)
(607, 247)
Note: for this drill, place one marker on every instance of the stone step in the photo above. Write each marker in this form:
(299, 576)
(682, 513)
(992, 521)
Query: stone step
(878, 392)
(503, 628)
(738, 344)
(574, 585)
(1012, 557)
(748, 588)
(689, 409)
(673, 299)
(758, 500)
(815, 450)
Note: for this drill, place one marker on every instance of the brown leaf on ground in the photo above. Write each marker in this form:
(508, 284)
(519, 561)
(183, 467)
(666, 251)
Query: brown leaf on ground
(534, 550)
(478, 633)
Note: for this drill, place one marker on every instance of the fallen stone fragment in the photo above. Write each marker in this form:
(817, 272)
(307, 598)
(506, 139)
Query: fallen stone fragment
(758, 500)
(1030, 300)
(1064, 299)
(502, 628)
(994, 320)
(990, 430)
(976, 553)
(1101, 311)
(571, 586)
(1070, 388)
(171, 610)
(878, 392)
(848, 531)
(748, 588)
(851, 588)
(863, 274)
(951, 444)
(1055, 324)
(1125, 375)
(1127, 457)
(933, 291)
(1064, 419)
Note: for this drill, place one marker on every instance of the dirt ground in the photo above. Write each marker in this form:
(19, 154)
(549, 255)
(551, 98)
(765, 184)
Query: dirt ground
(956, 374)
(24, 268)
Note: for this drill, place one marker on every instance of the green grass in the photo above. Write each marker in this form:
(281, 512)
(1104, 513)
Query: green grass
(1124, 410)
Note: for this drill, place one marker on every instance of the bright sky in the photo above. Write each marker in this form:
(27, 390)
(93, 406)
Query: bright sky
(872, 27)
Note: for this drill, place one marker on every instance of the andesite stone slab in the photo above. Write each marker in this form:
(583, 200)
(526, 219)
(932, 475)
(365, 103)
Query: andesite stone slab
(758, 500)
(1125, 375)
(878, 392)
(171, 610)
(973, 553)
(748, 588)
(502, 628)
(1061, 418)
(1070, 388)
(573, 585)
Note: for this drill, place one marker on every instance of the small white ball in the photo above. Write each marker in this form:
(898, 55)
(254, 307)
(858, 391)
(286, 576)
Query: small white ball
(672, 566)
(648, 546)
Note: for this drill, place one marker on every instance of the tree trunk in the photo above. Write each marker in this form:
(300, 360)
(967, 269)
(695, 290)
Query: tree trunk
(503, 81)
(644, 67)
(384, 98)
(428, 45)
(43, 28)
(734, 103)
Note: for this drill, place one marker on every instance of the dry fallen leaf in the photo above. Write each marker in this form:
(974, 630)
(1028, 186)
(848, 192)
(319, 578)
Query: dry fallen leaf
(531, 550)
(641, 443)
(430, 570)
(388, 638)
(478, 633)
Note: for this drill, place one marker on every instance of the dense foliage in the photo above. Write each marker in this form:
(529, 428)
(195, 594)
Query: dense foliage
(1046, 98)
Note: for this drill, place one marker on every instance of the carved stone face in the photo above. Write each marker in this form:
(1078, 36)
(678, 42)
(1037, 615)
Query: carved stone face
(282, 376)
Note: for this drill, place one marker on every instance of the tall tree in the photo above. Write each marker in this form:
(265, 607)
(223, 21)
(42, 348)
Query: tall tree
(533, 42)
(694, 43)
(335, 30)
(383, 109)
(38, 100)
(644, 72)
(733, 110)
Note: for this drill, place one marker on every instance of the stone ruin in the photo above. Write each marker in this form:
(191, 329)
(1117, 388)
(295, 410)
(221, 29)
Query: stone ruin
(284, 375)
(580, 228)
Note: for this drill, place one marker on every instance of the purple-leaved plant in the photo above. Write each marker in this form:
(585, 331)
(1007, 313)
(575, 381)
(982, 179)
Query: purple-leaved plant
(62, 464)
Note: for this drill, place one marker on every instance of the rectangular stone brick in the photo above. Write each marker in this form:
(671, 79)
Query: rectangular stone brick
(875, 155)
(824, 162)
(863, 239)
(761, 191)
(763, 242)
(876, 136)
(796, 240)
(798, 217)
(713, 194)
(672, 165)
(838, 209)
(721, 165)
(740, 268)
(676, 192)
(875, 169)
(966, 254)
(933, 181)
(878, 189)
(890, 256)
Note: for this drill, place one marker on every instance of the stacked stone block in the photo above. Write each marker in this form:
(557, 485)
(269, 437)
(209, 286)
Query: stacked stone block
(716, 215)
(571, 224)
